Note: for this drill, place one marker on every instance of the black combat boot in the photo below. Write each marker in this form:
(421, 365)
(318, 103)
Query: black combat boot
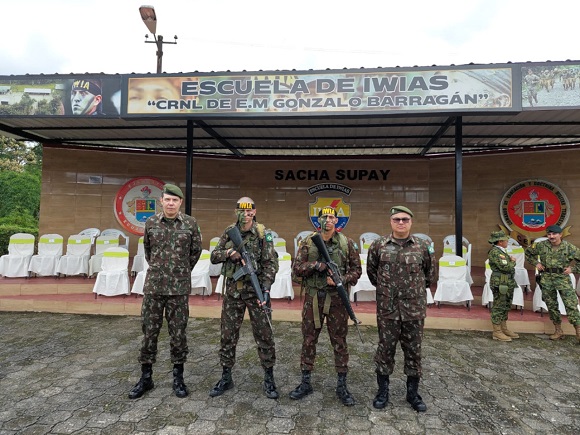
(224, 384)
(269, 384)
(413, 397)
(304, 389)
(342, 392)
(382, 397)
(145, 383)
(179, 387)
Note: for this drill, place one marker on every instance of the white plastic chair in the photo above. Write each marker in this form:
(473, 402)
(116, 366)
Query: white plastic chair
(15, 264)
(272, 232)
(113, 280)
(76, 259)
(49, 252)
(200, 279)
(282, 286)
(365, 241)
(452, 285)
(139, 258)
(363, 290)
(214, 269)
(487, 294)
(139, 282)
(119, 234)
(101, 245)
(298, 239)
(515, 250)
(449, 249)
(280, 245)
(93, 233)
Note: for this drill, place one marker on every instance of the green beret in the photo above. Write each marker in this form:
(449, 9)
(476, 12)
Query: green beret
(496, 236)
(172, 189)
(401, 209)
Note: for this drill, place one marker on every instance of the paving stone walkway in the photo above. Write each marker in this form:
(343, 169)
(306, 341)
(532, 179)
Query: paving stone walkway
(68, 374)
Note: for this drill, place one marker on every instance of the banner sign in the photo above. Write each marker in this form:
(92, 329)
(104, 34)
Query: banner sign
(550, 86)
(412, 90)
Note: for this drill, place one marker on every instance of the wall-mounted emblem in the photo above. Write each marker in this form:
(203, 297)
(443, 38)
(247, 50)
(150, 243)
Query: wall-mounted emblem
(136, 201)
(342, 211)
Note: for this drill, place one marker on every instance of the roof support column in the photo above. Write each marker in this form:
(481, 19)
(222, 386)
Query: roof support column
(189, 168)
(459, 186)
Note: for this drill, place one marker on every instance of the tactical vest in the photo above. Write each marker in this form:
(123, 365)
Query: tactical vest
(229, 268)
(338, 253)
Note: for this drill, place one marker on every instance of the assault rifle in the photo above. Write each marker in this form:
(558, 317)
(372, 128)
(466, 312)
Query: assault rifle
(248, 268)
(335, 275)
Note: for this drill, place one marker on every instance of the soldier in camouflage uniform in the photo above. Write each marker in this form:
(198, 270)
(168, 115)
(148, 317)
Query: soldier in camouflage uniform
(239, 295)
(172, 243)
(554, 258)
(400, 266)
(322, 300)
(502, 283)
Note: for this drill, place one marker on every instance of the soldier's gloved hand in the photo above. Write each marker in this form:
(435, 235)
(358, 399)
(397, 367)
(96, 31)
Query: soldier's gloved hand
(319, 266)
(235, 256)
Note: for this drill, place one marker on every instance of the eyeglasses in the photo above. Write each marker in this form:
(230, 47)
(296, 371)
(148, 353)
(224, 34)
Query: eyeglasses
(401, 220)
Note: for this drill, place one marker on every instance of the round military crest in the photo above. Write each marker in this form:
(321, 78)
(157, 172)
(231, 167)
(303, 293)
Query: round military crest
(136, 201)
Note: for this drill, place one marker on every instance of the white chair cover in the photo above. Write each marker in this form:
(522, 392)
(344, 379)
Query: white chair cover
(539, 305)
(101, 245)
(113, 280)
(139, 258)
(20, 250)
(93, 233)
(365, 241)
(200, 279)
(487, 294)
(521, 274)
(49, 252)
(282, 286)
(363, 290)
(219, 285)
(214, 269)
(449, 249)
(452, 285)
(139, 282)
(299, 237)
(76, 259)
(118, 234)
(280, 244)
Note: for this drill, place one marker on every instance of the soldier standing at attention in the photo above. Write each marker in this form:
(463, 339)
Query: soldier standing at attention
(240, 294)
(502, 284)
(400, 266)
(172, 243)
(322, 300)
(553, 258)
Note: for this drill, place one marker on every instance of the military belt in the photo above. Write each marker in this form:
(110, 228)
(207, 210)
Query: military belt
(553, 270)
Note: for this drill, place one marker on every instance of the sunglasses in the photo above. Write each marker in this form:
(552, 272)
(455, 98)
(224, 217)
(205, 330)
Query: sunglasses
(399, 220)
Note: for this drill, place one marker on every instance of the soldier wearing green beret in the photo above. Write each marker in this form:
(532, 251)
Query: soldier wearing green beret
(502, 283)
(556, 259)
(172, 242)
(400, 266)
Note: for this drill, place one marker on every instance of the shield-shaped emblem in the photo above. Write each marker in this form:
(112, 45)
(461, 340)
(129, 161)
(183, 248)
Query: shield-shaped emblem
(341, 207)
(144, 208)
(534, 214)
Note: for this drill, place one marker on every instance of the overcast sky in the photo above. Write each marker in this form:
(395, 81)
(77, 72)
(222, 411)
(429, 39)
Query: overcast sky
(77, 36)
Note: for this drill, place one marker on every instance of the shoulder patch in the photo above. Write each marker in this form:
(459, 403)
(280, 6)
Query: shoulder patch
(430, 249)
(355, 246)
(269, 237)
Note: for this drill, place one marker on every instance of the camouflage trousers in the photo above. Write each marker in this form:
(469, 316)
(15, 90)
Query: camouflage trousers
(176, 309)
(410, 335)
(337, 325)
(233, 310)
(550, 288)
(501, 306)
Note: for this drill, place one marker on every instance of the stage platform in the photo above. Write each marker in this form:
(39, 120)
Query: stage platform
(75, 295)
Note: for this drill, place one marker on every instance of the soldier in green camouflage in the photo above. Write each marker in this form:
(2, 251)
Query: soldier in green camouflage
(172, 242)
(555, 259)
(400, 266)
(502, 284)
(240, 295)
(322, 300)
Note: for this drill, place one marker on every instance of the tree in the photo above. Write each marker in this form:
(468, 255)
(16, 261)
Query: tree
(18, 155)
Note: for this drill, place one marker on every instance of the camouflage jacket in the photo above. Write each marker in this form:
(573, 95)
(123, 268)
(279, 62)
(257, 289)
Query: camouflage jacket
(401, 273)
(172, 248)
(348, 263)
(502, 268)
(563, 256)
(260, 247)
